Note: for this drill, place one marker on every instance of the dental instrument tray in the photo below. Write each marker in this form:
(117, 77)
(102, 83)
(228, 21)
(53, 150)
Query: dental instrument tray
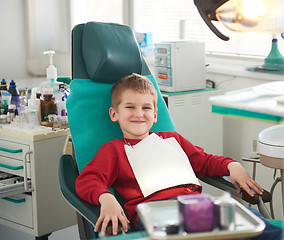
(161, 221)
(12, 185)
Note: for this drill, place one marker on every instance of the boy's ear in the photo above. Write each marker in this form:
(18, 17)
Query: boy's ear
(112, 114)
(155, 116)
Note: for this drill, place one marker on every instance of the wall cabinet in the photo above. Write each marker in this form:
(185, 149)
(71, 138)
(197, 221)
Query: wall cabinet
(191, 112)
(30, 198)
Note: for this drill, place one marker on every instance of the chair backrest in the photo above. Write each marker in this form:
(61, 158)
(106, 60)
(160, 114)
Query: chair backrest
(98, 47)
(102, 54)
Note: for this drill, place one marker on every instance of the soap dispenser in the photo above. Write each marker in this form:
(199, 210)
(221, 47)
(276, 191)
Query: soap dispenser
(51, 86)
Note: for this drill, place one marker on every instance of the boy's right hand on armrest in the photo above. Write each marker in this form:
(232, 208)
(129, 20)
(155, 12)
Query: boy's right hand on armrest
(111, 211)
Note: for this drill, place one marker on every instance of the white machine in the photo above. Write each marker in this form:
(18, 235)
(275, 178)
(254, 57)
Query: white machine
(270, 147)
(180, 65)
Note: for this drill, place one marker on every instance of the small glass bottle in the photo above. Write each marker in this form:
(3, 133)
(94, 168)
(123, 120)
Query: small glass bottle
(47, 107)
(3, 119)
(11, 112)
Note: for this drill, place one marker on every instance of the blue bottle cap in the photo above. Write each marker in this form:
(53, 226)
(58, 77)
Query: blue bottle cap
(12, 83)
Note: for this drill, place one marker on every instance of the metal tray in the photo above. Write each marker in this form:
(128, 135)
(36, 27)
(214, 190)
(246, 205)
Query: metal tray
(155, 216)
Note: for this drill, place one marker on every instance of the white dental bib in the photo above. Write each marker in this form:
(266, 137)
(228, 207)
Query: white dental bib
(159, 163)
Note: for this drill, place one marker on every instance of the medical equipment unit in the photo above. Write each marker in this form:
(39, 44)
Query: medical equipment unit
(180, 65)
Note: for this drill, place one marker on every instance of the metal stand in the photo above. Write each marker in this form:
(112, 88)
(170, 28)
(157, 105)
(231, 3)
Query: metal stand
(43, 237)
(282, 185)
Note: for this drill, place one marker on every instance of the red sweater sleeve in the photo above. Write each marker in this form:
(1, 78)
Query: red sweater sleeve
(202, 163)
(98, 175)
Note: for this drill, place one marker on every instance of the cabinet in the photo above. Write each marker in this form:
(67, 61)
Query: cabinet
(30, 197)
(191, 112)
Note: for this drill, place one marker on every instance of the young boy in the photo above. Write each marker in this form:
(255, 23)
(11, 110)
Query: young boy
(134, 107)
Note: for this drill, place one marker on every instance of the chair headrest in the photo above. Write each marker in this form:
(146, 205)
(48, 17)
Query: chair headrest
(110, 51)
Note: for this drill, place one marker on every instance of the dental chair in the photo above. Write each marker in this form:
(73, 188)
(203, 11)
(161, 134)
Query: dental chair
(102, 53)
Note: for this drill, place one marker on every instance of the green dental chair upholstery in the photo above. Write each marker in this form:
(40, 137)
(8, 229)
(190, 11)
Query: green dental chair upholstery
(102, 53)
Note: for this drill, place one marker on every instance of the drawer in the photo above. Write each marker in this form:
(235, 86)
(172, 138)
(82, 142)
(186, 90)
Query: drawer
(15, 158)
(13, 185)
(17, 209)
(13, 150)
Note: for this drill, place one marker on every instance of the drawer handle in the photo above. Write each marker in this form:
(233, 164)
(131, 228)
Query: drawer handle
(10, 150)
(26, 183)
(14, 200)
(11, 167)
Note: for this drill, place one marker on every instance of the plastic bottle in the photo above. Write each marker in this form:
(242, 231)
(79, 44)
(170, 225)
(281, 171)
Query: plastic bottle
(22, 104)
(51, 86)
(37, 92)
(6, 99)
(3, 85)
(29, 118)
(47, 107)
(15, 93)
(34, 103)
(61, 107)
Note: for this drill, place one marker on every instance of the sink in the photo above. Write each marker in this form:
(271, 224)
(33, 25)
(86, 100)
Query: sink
(270, 146)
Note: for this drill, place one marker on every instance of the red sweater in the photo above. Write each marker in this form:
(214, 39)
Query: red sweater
(110, 167)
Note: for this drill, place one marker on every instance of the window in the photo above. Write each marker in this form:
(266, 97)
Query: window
(96, 10)
(162, 18)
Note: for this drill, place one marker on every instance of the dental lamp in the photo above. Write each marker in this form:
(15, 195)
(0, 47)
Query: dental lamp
(265, 16)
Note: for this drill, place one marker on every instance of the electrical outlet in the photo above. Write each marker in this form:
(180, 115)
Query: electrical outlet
(210, 83)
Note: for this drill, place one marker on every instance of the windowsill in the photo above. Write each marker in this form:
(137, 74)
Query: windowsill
(242, 72)
(237, 65)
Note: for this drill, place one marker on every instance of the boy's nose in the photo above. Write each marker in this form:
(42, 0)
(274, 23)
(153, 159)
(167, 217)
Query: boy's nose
(139, 112)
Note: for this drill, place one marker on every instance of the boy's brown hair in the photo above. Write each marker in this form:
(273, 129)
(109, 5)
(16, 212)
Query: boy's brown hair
(135, 82)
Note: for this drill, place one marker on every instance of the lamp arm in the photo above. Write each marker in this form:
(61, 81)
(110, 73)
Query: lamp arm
(210, 11)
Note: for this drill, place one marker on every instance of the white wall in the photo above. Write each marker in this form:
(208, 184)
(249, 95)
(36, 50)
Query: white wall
(12, 45)
(12, 41)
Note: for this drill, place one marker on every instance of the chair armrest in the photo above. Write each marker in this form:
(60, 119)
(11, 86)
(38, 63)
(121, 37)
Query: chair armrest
(221, 183)
(226, 185)
(67, 176)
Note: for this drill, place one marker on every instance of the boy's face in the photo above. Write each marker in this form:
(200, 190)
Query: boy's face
(135, 114)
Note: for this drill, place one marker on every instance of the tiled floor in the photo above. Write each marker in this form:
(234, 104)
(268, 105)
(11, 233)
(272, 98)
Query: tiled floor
(70, 233)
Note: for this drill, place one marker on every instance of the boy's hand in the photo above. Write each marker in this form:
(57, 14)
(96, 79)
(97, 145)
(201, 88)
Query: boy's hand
(241, 178)
(111, 211)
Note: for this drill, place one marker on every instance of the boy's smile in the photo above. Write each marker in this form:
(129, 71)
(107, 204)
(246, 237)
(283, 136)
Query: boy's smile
(135, 114)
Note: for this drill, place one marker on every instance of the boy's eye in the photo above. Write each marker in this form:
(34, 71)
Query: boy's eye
(129, 107)
(147, 108)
